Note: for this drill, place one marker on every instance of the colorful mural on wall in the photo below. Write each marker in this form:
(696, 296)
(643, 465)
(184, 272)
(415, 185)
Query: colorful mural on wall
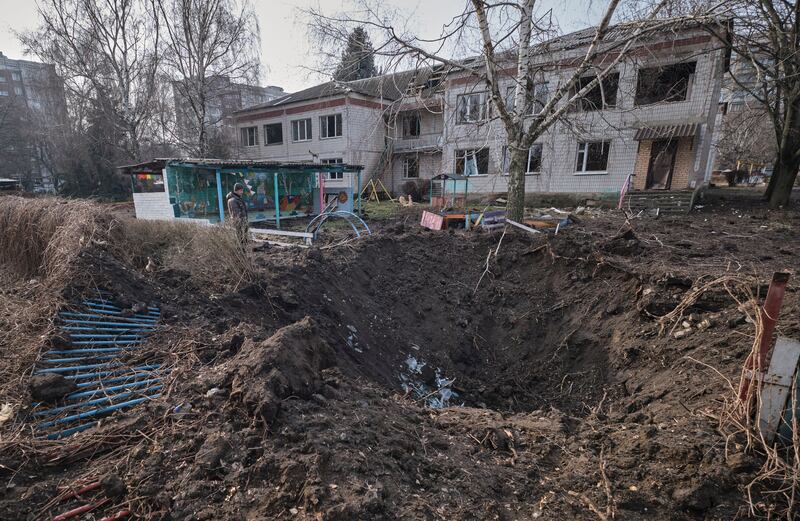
(193, 193)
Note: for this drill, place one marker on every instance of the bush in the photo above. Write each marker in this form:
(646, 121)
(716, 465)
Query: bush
(419, 190)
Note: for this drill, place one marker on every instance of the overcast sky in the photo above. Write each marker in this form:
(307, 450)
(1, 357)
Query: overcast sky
(284, 42)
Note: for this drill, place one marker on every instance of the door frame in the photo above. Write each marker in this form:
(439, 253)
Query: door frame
(670, 143)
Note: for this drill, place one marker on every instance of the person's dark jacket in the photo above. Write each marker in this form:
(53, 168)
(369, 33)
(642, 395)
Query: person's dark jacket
(236, 207)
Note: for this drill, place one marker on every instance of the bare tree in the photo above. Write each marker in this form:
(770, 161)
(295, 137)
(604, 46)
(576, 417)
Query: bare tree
(207, 44)
(746, 137)
(765, 53)
(105, 52)
(511, 36)
(766, 45)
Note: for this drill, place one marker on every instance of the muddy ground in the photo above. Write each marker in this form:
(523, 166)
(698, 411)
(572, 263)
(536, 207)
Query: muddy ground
(396, 378)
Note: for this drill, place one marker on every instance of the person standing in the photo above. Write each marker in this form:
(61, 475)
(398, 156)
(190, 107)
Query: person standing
(237, 210)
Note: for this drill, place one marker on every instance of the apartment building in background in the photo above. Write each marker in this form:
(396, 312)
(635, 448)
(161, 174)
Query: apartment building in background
(32, 104)
(650, 123)
(226, 97)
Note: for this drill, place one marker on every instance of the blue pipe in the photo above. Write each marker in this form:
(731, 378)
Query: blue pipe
(97, 401)
(75, 368)
(92, 392)
(95, 412)
(71, 431)
(99, 304)
(97, 350)
(81, 376)
(106, 342)
(106, 303)
(112, 329)
(76, 359)
(119, 314)
(100, 384)
(105, 335)
(106, 317)
(101, 323)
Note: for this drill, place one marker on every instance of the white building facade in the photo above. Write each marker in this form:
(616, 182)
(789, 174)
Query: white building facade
(651, 124)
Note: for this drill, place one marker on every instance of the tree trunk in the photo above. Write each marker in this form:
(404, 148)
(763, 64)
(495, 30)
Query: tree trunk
(780, 185)
(776, 169)
(515, 206)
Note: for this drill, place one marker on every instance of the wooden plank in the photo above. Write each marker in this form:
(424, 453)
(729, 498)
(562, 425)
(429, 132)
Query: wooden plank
(521, 226)
(305, 235)
(777, 385)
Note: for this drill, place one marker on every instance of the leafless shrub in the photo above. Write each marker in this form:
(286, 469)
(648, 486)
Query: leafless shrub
(211, 255)
(40, 237)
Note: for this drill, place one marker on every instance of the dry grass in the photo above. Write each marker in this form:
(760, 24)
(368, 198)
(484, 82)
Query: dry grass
(775, 490)
(39, 241)
(211, 255)
(41, 237)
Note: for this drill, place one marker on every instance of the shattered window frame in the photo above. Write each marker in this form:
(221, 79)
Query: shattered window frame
(480, 158)
(531, 155)
(270, 128)
(664, 83)
(470, 103)
(411, 165)
(602, 96)
(593, 157)
(412, 125)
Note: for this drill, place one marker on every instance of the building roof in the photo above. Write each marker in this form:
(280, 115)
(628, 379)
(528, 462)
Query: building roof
(389, 87)
(392, 87)
(156, 165)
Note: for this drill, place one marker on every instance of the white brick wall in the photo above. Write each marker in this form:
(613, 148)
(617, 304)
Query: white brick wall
(364, 129)
(560, 143)
(154, 205)
(362, 140)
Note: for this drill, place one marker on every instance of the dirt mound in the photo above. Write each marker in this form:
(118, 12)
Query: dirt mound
(262, 374)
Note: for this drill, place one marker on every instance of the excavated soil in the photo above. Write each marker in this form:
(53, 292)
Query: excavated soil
(406, 377)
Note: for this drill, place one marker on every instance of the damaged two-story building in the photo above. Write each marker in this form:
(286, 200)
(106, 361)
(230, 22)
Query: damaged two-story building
(649, 123)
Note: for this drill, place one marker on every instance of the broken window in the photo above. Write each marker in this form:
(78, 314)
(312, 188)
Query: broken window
(273, 134)
(249, 136)
(329, 126)
(541, 94)
(472, 162)
(664, 84)
(410, 168)
(534, 159)
(411, 125)
(472, 107)
(601, 96)
(593, 156)
(301, 130)
(534, 165)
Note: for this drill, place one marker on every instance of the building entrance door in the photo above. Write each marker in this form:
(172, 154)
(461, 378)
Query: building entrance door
(662, 163)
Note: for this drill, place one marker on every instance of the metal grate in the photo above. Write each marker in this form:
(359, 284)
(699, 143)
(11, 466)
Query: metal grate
(98, 333)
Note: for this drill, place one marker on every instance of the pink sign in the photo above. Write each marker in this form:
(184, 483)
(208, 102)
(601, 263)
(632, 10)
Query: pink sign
(432, 220)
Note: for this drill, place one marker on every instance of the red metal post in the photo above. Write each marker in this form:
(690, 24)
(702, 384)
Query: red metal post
(769, 318)
(80, 510)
